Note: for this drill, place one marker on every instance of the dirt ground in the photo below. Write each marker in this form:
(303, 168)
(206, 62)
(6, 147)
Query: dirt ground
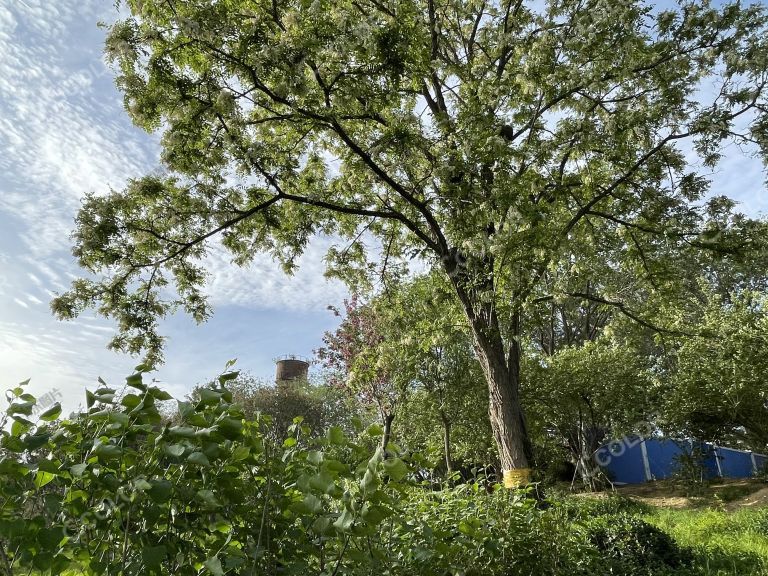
(729, 494)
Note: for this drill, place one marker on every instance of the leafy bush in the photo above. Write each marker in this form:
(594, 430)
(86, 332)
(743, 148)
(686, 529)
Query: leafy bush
(118, 490)
(691, 471)
(115, 491)
(633, 547)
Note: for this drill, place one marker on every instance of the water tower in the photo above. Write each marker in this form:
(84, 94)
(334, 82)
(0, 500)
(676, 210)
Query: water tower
(291, 368)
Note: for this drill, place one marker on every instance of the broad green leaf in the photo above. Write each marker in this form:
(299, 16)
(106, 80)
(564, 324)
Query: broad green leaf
(153, 556)
(42, 478)
(185, 408)
(52, 413)
(198, 458)
(160, 491)
(241, 453)
(344, 522)
(208, 497)
(21, 408)
(214, 566)
(130, 401)
(20, 426)
(159, 394)
(395, 468)
(78, 469)
(183, 431)
(336, 435)
(176, 450)
(135, 381)
(209, 397)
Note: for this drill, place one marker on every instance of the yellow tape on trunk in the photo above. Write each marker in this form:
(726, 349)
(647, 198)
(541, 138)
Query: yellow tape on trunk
(517, 478)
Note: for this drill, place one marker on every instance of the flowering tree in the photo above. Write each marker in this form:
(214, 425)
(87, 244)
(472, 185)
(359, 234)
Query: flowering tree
(355, 353)
(493, 139)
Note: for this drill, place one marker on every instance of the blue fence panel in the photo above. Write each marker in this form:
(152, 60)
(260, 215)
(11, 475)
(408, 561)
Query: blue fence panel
(735, 463)
(709, 461)
(663, 456)
(622, 460)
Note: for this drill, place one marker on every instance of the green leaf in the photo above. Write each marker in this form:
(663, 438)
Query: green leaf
(135, 381)
(209, 397)
(370, 481)
(373, 515)
(153, 556)
(198, 458)
(214, 566)
(130, 401)
(185, 408)
(21, 408)
(395, 468)
(159, 394)
(241, 453)
(106, 451)
(344, 521)
(322, 482)
(176, 450)
(20, 426)
(119, 418)
(226, 377)
(52, 413)
(336, 435)
(142, 485)
(78, 469)
(183, 431)
(160, 491)
(208, 497)
(35, 441)
(42, 478)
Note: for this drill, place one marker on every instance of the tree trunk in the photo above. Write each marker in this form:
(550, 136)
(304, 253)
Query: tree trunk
(500, 364)
(388, 418)
(447, 442)
(505, 412)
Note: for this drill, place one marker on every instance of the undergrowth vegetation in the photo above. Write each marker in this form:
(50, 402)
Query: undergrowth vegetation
(117, 489)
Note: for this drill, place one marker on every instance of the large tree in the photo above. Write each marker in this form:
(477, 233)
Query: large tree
(483, 136)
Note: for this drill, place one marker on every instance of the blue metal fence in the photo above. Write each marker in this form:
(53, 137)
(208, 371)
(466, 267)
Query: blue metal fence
(633, 460)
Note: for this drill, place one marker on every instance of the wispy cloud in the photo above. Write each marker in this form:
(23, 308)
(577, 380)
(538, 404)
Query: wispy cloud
(59, 136)
(263, 285)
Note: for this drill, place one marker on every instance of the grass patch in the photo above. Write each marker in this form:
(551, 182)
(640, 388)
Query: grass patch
(722, 543)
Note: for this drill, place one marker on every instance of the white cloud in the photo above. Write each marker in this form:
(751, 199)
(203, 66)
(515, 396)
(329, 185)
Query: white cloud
(263, 285)
(61, 138)
(34, 299)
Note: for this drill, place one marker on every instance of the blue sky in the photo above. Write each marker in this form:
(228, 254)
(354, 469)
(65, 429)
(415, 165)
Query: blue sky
(63, 133)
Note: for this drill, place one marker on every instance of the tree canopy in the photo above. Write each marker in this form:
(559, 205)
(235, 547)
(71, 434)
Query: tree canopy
(503, 143)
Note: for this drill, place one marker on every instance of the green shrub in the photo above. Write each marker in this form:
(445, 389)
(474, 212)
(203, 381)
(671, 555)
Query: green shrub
(633, 547)
(118, 490)
(585, 507)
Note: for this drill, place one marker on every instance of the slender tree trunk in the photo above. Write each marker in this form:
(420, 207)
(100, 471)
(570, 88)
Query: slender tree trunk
(388, 419)
(447, 442)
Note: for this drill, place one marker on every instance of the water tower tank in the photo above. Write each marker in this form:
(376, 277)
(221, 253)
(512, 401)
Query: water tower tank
(290, 368)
